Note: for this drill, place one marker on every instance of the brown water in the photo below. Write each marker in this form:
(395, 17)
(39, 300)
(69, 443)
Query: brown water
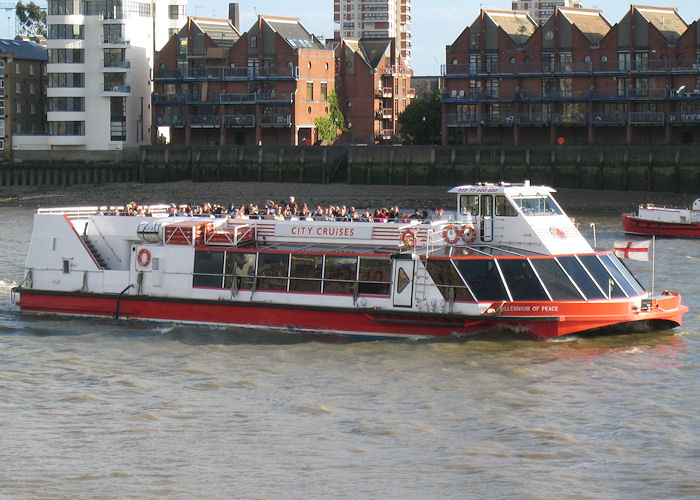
(98, 408)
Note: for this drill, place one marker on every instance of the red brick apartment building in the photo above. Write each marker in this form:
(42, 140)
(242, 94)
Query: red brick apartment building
(576, 79)
(213, 85)
(374, 86)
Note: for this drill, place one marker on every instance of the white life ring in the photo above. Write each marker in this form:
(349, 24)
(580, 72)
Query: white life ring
(468, 233)
(451, 234)
(143, 257)
(409, 238)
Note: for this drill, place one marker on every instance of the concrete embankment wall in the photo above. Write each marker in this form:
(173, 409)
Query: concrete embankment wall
(643, 168)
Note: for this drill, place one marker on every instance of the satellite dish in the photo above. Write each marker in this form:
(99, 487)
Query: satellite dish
(680, 89)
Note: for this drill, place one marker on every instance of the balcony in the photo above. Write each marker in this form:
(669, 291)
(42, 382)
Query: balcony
(387, 92)
(230, 98)
(115, 41)
(275, 120)
(549, 68)
(461, 120)
(275, 97)
(577, 118)
(205, 121)
(532, 119)
(237, 121)
(646, 118)
(175, 121)
(387, 113)
(618, 118)
(114, 65)
(683, 117)
(121, 90)
(387, 133)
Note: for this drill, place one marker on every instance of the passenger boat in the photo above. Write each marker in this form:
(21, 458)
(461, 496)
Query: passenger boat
(664, 221)
(508, 259)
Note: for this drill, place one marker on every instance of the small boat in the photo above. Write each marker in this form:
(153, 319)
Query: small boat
(664, 221)
(508, 258)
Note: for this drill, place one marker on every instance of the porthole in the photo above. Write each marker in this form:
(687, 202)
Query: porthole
(309, 109)
(603, 58)
(587, 59)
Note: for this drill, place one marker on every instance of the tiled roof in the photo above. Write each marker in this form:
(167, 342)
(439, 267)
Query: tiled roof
(220, 31)
(591, 22)
(666, 20)
(293, 32)
(24, 50)
(518, 25)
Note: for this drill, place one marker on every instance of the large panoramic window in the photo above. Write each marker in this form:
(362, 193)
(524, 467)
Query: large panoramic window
(66, 104)
(522, 280)
(339, 274)
(483, 278)
(306, 273)
(66, 55)
(448, 280)
(537, 204)
(66, 31)
(374, 276)
(67, 128)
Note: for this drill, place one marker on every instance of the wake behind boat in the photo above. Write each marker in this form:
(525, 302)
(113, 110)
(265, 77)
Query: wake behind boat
(664, 221)
(510, 258)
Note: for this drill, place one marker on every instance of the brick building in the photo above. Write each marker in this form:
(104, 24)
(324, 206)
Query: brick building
(373, 86)
(575, 79)
(22, 91)
(265, 86)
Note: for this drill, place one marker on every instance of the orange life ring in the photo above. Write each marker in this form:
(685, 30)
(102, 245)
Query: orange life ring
(451, 234)
(468, 233)
(144, 257)
(408, 238)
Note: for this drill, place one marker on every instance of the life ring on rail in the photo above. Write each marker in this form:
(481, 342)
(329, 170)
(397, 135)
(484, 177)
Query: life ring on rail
(143, 257)
(451, 234)
(468, 233)
(408, 238)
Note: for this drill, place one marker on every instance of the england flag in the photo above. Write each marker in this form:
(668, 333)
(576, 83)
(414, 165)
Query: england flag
(633, 250)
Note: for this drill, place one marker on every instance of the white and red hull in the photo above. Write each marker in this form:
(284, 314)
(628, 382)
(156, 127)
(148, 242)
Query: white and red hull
(539, 319)
(633, 224)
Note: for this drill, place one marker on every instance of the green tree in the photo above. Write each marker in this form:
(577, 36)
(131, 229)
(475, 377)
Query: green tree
(421, 121)
(32, 19)
(328, 126)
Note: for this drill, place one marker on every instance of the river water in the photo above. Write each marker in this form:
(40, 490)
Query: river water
(100, 409)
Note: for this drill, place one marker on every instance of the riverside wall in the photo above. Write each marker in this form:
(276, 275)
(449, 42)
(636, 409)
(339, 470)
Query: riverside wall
(633, 168)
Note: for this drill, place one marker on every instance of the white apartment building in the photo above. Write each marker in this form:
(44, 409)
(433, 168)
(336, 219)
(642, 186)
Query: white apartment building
(541, 10)
(99, 71)
(375, 19)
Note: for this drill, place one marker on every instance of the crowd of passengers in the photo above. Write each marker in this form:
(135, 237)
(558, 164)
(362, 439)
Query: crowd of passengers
(283, 210)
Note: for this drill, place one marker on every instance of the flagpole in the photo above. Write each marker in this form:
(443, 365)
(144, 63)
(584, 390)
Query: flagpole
(653, 264)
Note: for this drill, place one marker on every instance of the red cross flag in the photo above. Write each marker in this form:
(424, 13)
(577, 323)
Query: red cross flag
(634, 250)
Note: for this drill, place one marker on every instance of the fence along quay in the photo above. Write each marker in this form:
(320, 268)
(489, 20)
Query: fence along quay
(644, 168)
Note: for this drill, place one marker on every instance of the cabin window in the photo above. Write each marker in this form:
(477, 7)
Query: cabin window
(374, 276)
(273, 269)
(483, 278)
(469, 204)
(522, 280)
(306, 273)
(620, 278)
(242, 266)
(556, 281)
(448, 280)
(602, 276)
(583, 280)
(208, 269)
(639, 289)
(66, 266)
(504, 207)
(537, 205)
(339, 274)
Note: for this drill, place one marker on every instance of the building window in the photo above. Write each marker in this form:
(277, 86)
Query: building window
(641, 87)
(324, 91)
(31, 69)
(491, 63)
(474, 64)
(176, 11)
(253, 42)
(32, 109)
(565, 87)
(641, 61)
(18, 88)
(19, 108)
(623, 61)
(623, 85)
(32, 90)
(67, 128)
(309, 91)
(565, 62)
(492, 87)
(18, 69)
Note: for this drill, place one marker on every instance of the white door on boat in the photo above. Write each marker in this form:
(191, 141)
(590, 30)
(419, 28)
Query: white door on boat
(486, 219)
(402, 284)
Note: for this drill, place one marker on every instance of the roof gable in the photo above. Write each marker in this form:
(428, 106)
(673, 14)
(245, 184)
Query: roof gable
(665, 20)
(590, 23)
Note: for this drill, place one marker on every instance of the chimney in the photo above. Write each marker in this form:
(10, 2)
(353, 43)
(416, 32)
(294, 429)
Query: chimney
(234, 16)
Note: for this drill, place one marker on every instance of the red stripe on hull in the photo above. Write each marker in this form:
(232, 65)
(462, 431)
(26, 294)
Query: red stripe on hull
(635, 225)
(570, 318)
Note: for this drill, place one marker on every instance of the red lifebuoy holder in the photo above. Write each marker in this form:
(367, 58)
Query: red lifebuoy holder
(451, 234)
(408, 238)
(143, 257)
(468, 233)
